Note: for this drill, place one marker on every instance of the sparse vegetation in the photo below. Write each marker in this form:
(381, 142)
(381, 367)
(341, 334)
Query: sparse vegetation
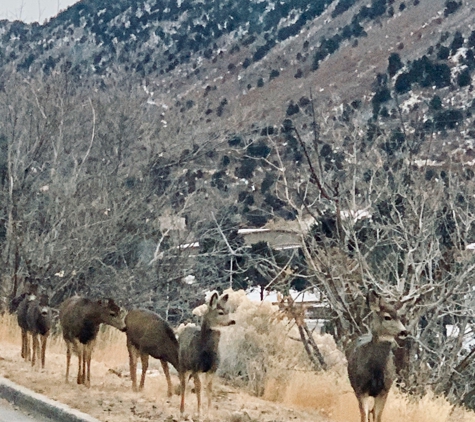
(451, 6)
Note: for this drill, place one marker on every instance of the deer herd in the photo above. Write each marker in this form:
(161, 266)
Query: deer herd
(371, 368)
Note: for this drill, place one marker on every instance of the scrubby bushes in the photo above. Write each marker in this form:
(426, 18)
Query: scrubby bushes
(262, 348)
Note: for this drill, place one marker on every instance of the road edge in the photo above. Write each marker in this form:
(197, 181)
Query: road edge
(40, 405)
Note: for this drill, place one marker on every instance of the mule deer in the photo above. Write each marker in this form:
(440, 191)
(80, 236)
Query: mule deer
(198, 348)
(371, 367)
(150, 335)
(29, 293)
(80, 319)
(38, 319)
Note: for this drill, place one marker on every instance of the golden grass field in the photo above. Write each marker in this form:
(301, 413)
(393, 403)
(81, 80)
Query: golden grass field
(289, 392)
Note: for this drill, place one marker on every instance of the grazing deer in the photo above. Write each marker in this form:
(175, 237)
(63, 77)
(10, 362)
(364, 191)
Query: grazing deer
(80, 319)
(198, 348)
(38, 319)
(29, 293)
(371, 367)
(150, 335)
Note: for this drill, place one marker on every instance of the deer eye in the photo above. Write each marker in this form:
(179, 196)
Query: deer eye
(387, 317)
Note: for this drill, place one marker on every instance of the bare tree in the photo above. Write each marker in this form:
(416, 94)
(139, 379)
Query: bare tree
(381, 221)
(85, 178)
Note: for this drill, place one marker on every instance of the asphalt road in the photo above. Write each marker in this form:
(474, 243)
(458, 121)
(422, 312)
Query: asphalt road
(9, 414)
(34, 407)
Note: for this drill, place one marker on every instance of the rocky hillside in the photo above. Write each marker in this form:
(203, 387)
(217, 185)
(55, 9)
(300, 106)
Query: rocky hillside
(247, 58)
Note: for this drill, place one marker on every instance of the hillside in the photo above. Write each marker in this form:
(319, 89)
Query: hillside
(140, 113)
(226, 60)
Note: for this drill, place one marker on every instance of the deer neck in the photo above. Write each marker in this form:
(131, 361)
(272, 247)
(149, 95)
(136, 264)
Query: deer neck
(208, 335)
(206, 329)
(94, 316)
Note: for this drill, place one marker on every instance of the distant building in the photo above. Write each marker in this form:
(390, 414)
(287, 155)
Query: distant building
(276, 238)
(317, 311)
(171, 222)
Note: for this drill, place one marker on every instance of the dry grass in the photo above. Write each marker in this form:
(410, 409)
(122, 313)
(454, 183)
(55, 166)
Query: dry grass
(109, 346)
(331, 394)
(258, 352)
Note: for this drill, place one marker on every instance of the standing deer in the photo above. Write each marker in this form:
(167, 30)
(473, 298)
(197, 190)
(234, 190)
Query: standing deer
(198, 348)
(29, 293)
(80, 319)
(38, 320)
(148, 334)
(371, 367)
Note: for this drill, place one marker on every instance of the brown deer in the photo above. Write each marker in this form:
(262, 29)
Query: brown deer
(150, 335)
(38, 319)
(30, 290)
(198, 348)
(80, 319)
(371, 367)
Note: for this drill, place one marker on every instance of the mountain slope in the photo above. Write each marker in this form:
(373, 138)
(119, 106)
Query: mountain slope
(265, 53)
(178, 107)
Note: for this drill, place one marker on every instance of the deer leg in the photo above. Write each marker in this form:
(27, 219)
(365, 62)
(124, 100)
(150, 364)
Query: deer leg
(144, 358)
(28, 348)
(81, 352)
(27, 345)
(23, 344)
(44, 340)
(68, 360)
(132, 364)
(196, 377)
(166, 371)
(209, 376)
(87, 364)
(35, 346)
(182, 376)
(364, 406)
(379, 403)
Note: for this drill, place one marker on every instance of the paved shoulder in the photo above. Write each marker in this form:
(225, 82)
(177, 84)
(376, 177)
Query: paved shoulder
(9, 414)
(40, 405)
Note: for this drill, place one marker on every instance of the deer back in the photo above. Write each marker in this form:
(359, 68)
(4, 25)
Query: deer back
(80, 317)
(29, 293)
(22, 311)
(152, 335)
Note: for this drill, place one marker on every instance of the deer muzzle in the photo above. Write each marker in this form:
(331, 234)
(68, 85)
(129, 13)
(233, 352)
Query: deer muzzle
(403, 334)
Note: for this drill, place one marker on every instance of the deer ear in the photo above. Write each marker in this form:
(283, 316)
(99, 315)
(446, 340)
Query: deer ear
(374, 301)
(224, 298)
(213, 300)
